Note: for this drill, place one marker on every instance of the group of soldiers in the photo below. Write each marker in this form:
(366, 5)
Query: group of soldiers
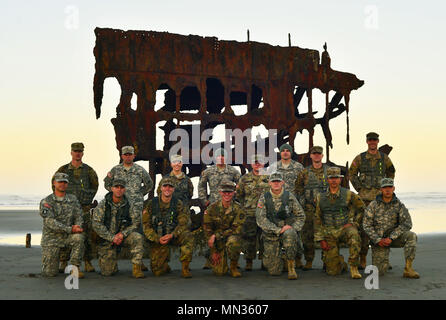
(276, 215)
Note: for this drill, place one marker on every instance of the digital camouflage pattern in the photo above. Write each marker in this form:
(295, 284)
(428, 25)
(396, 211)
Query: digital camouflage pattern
(249, 190)
(182, 237)
(273, 241)
(214, 176)
(335, 234)
(389, 220)
(184, 189)
(289, 173)
(226, 224)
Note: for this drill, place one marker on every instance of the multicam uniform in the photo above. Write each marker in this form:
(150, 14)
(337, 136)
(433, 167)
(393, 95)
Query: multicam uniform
(109, 219)
(226, 224)
(214, 176)
(249, 190)
(272, 213)
(59, 215)
(160, 218)
(389, 220)
(309, 183)
(333, 211)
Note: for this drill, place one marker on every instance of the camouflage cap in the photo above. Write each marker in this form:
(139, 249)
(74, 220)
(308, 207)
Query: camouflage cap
(77, 146)
(118, 182)
(317, 149)
(176, 158)
(334, 172)
(168, 181)
(372, 135)
(286, 146)
(275, 176)
(257, 158)
(387, 182)
(220, 152)
(227, 186)
(128, 149)
(60, 176)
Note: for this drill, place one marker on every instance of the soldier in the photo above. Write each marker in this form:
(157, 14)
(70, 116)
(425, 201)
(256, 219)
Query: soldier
(116, 221)
(366, 172)
(184, 189)
(166, 223)
(310, 182)
(222, 224)
(251, 186)
(213, 176)
(388, 223)
(62, 221)
(83, 183)
(280, 217)
(337, 217)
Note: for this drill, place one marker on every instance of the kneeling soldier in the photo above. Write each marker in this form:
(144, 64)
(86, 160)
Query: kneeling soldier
(222, 224)
(116, 222)
(62, 218)
(387, 222)
(337, 217)
(281, 217)
(166, 222)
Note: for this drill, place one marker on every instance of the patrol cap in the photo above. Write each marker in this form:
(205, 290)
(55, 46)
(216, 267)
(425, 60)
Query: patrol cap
(372, 135)
(257, 158)
(220, 152)
(386, 182)
(227, 186)
(276, 176)
(176, 158)
(168, 181)
(118, 182)
(317, 149)
(128, 149)
(286, 146)
(77, 146)
(60, 176)
(334, 172)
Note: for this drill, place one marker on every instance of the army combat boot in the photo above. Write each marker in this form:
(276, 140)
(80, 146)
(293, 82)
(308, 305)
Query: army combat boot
(88, 266)
(80, 274)
(248, 265)
(362, 262)
(409, 272)
(233, 269)
(354, 272)
(137, 272)
(308, 266)
(62, 265)
(292, 275)
(185, 271)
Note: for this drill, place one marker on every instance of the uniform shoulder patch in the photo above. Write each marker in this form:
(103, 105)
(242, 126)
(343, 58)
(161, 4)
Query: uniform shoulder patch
(47, 205)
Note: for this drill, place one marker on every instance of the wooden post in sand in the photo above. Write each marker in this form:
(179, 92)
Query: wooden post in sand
(28, 240)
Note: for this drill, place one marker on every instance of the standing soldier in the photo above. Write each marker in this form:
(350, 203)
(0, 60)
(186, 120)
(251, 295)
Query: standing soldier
(387, 222)
(137, 180)
(213, 176)
(366, 172)
(116, 222)
(166, 223)
(222, 224)
(83, 183)
(62, 221)
(281, 217)
(337, 217)
(251, 186)
(310, 182)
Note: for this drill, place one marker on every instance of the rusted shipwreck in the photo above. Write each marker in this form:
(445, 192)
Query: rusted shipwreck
(204, 77)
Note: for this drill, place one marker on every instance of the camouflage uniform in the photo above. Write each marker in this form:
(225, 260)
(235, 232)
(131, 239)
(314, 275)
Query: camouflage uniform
(160, 218)
(333, 211)
(226, 224)
(184, 189)
(271, 224)
(214, 176)
(59, 215)
(289, 173)
(366, 172)
(109, 219)
(389, 220)
(249, 190)
(309, 183)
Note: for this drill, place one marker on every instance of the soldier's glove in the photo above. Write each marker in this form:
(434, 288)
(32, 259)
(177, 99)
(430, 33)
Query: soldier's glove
(324, 245)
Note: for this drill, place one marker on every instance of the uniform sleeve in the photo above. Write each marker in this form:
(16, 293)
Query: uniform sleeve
(298, 212)
(94, 184)
(390, 169)
(405, 223)
(136, 221)
(78, 213)
(262, 220)
(357, 210)
(367, 223)
(183, 220)
(319, 230)
(147, 183)
(299, 186)
(109, 180)
(208, 224)
(46, 211)
(353, 173)
(98, 222)
(202, 187)
(149, 232)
